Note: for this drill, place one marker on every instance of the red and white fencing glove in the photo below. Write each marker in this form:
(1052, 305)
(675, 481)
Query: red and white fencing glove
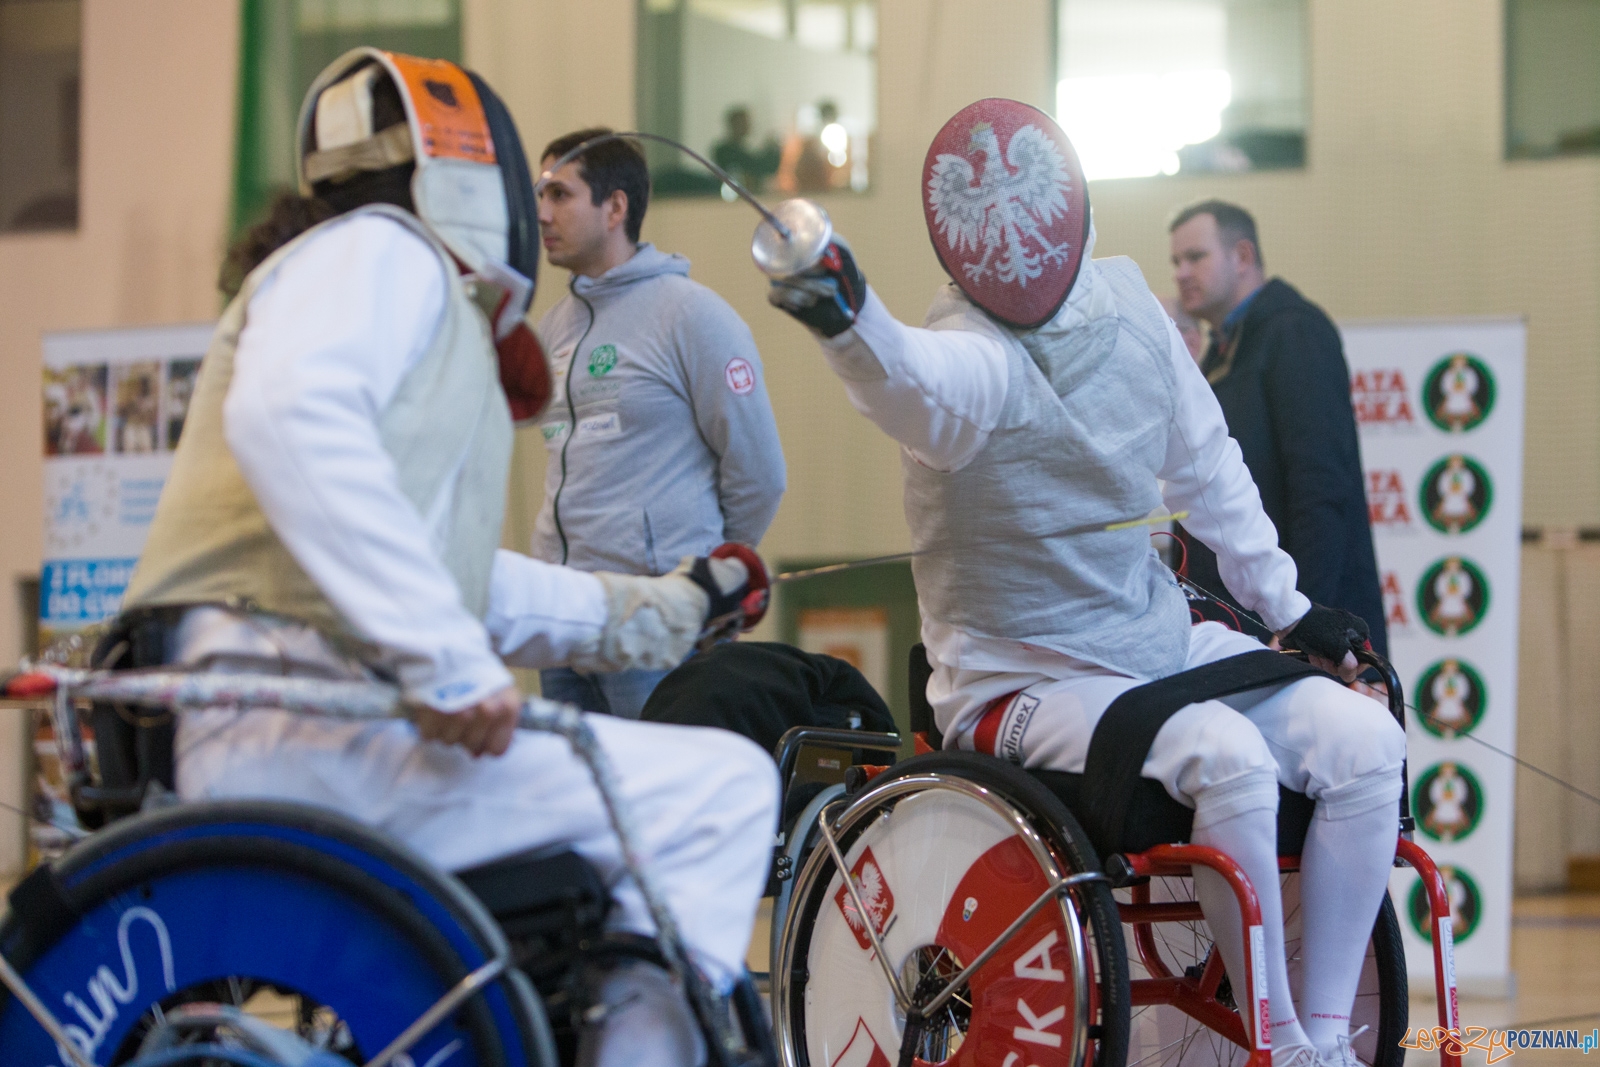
(736, 580)
(654, 623)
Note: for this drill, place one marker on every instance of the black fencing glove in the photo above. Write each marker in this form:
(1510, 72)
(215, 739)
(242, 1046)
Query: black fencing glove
(829, 296)
(1329, 633)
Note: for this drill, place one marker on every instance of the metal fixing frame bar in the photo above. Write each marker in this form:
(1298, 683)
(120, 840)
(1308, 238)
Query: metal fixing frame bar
(1060, 886)
(442, 1007)
(1444, 960)
(51, 1025)
(900, 996)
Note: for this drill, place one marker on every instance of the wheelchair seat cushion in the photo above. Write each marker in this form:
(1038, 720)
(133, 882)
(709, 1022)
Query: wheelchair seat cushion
(1154, 818)
(1122, 739)
(553, 883)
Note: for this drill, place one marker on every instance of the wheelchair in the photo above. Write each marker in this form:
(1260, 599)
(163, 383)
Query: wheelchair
(981, 924)
(203, 933)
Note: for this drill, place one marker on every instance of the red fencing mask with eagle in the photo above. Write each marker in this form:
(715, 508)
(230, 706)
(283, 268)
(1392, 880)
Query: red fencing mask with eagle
(1007, 209)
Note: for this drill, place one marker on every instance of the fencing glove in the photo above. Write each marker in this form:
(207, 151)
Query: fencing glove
(829, 296)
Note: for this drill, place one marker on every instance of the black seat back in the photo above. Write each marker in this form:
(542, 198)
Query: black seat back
(541, 891)
(922, 711)
(133, 746)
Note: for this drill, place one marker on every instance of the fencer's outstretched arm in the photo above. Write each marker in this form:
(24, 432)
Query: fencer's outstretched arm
(1205, 475)
(937, 392)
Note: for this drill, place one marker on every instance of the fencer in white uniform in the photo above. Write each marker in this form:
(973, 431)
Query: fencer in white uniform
(353, 368)
(1010, 434)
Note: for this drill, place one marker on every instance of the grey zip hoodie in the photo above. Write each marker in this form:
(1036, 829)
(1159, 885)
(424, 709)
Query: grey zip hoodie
(675, 449)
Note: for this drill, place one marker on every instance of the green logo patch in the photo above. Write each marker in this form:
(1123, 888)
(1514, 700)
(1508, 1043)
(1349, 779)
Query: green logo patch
(601, 360)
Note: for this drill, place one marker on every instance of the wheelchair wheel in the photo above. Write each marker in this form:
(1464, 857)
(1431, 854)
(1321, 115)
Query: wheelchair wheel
(1163, 1036)
(948, 850)
(297, 914)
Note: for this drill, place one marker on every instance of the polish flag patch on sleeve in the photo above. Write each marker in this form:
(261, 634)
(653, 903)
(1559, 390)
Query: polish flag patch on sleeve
(740, 375)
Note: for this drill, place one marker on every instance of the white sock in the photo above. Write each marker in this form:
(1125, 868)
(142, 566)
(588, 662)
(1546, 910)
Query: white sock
(648, 1025)
(1250, 839)
(1344, 872)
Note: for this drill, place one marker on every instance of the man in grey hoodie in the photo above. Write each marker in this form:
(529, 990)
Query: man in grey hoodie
(675, 448)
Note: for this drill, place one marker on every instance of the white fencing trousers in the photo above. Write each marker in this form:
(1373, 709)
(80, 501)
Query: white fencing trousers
(704, 804)
(1220, 757)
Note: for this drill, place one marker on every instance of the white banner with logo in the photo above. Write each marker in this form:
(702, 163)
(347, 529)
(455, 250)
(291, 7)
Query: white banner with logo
(1440, 410)
(114, 405)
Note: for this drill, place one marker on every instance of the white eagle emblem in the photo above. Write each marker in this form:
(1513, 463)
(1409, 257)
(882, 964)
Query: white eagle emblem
(869, 883)
(1006, 208)
(877, 899)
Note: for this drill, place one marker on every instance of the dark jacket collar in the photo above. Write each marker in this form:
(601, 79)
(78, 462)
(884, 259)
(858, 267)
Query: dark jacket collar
(1275, 296)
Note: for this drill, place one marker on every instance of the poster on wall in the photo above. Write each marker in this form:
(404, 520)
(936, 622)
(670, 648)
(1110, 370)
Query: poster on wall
(859, 636)
(114, 407)
(1439, 406)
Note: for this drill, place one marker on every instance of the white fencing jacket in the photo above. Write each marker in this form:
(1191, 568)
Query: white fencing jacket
(940, 395)
(328, 340)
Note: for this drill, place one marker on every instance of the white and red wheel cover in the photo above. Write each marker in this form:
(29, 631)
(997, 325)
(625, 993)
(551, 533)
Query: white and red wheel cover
(940, 871)
(1007, 209)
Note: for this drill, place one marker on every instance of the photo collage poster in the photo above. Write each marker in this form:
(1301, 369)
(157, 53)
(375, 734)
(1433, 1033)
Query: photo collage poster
(1439, 407)
(114, 408)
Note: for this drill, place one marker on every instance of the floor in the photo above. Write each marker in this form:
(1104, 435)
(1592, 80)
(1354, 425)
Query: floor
(1555, 954)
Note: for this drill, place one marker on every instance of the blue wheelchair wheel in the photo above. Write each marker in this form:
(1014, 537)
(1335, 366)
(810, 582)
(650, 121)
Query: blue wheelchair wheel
(345, 936)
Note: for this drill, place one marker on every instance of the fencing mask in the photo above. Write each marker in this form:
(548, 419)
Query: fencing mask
(470, 183)
(1007, 209)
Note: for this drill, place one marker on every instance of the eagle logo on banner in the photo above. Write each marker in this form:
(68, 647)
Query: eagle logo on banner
(1007, 209)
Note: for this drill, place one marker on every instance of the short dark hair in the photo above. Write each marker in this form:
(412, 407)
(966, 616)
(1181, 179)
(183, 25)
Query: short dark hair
(1233, 222)
(607, 167)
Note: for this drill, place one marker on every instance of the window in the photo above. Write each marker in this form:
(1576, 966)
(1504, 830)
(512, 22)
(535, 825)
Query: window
(285, 44)
(780, 93)
(1183, 86)
(39, 62)
(1552, 77)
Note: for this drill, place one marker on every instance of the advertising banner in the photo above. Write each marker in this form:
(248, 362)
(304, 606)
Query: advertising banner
(114, 405)
(114, 408)
(1439, 405)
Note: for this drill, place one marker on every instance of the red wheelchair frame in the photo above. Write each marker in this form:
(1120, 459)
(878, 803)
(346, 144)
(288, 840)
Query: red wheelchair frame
(1197, 997)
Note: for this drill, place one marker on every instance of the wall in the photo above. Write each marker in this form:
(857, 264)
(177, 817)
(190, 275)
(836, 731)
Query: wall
(772, 78)
(560, 70)
(1406, 209)
(1558, 693)
(157, 121)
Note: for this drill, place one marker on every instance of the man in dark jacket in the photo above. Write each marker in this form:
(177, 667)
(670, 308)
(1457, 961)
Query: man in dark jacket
(1277, 367)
